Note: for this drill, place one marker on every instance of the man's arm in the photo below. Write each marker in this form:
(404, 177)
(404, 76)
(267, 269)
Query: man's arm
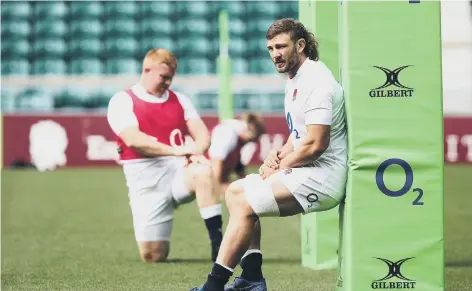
(311, 148)
(200, 134)
(286, 149)
(195, 125)
(318, 118)
(146, 144)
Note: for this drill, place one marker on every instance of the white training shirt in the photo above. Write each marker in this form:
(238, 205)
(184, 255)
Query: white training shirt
(224, 138)
(141, 173)
(313, 96)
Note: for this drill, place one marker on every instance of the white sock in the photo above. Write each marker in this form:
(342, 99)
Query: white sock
(227, 268)
(253, 251)
(210, 211)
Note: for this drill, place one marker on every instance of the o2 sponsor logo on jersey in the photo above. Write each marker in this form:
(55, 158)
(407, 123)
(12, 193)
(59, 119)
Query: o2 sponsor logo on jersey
(394, 277)
(408, 184)
(291, 127)
(392, 87)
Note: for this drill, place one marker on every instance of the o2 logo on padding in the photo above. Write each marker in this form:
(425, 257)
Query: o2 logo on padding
(291, 127)
(409, 177)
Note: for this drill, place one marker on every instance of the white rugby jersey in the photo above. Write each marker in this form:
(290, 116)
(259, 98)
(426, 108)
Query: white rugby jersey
(224, 138)
(313, 96)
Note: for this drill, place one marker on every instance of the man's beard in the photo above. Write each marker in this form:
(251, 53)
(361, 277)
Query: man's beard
(291, 62)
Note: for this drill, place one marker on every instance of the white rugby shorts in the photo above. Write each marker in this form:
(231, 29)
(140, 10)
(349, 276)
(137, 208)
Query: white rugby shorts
(309, 185)
(152, 201)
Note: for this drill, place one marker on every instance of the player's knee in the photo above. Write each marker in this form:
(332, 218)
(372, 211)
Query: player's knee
(235, 199)
(204, 175)
(154, 256)
(156, 253)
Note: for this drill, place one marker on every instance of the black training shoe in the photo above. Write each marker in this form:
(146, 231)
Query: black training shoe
(241, 284)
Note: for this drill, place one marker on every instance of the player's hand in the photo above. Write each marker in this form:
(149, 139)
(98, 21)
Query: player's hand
(199, 159)
(272, 160)
(265, 171)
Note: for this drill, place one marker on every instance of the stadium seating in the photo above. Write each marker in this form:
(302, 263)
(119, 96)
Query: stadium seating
(77, 38)
(56, 33)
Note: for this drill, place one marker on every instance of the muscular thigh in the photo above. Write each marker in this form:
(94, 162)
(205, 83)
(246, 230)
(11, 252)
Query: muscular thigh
(270, 197)
(307, 185)
(287, 193)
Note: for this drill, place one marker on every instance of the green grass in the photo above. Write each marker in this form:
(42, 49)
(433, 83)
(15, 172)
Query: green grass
(71, 230)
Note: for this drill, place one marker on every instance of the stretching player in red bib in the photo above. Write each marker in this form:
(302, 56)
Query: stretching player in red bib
(150, 122)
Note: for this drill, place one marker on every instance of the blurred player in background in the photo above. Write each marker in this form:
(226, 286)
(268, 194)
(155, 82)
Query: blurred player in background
(150, 122)
(307, 174)
(227, 139)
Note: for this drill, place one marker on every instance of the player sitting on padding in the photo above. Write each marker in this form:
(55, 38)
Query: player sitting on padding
(150, 122)
(307, 175)
(227, 139)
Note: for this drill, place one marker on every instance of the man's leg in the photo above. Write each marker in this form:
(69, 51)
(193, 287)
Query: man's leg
(152, 222)
(154, 252)
(197, 180)
(246, 200)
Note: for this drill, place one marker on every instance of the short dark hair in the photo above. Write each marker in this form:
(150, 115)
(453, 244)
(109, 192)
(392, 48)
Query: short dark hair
(297, 31)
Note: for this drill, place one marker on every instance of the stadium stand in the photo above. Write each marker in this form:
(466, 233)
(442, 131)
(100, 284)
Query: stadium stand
(109, 38)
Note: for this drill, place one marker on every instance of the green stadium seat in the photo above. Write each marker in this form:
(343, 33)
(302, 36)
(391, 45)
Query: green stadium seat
(259, 26)
(85, 10)
(70, 98)
(239, 66)
(123, 47)
(196, 66)
(120, 9)
(50, 28)
(275, 101)
(85, 47)
(8, 99)
(85, 67)
(15, 29)
(241, 100)
(257, 47)
(49, 67)
(49, 48)
(207, 100)
(157, 42)
(255, 101)
(199, 47)
(15, 49)
(19, 67)
(121, 27)
(265, 66)
(86, 28)
(156, 27)
(34, 99)
(289, 9)
(122, 66)
(237, 47)
(237, 27)
(99, 98)
(50, 9)
(235, 9)
(196, 27)
(157, 9)
(15, 10)
(257, 9)
(197, 9)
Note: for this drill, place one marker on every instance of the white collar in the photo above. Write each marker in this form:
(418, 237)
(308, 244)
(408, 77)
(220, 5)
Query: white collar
(143, 95)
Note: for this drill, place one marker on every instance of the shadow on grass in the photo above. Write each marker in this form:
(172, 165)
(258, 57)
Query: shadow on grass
(459, 264)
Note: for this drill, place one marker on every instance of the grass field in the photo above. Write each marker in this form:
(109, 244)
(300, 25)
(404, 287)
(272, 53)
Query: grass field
(71, 230)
